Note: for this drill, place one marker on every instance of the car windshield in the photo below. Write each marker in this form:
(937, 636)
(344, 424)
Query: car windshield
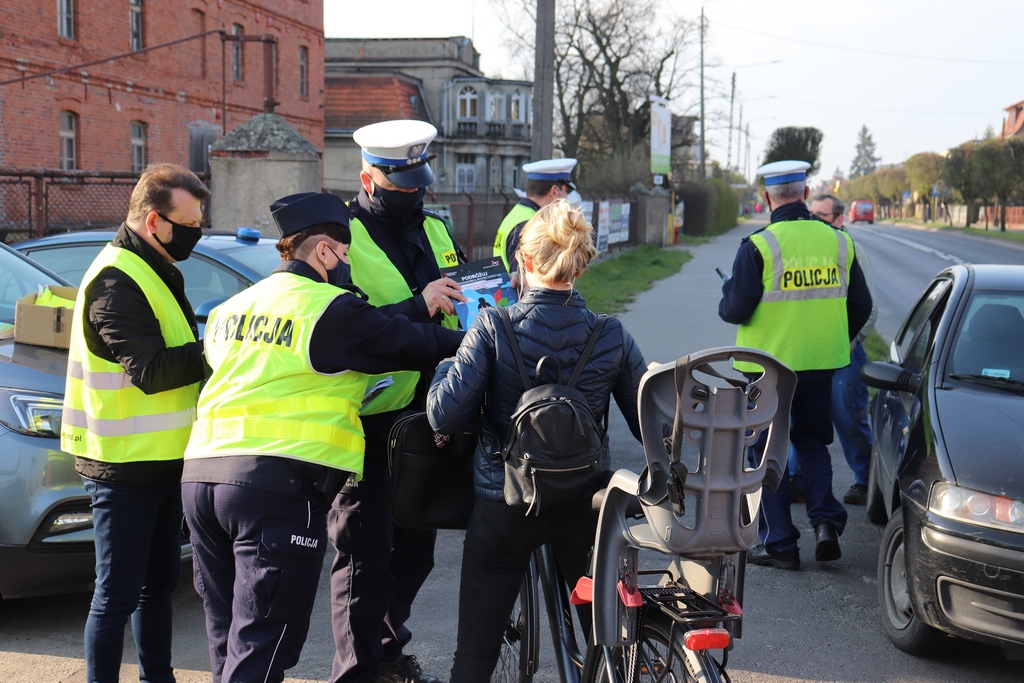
(864, 207)
(988, 345)
(262, 258)
(18, 277)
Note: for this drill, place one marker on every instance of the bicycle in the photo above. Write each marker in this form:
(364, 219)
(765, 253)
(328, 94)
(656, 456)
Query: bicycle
(697, 425)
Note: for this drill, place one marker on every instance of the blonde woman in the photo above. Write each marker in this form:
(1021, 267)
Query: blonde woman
(550, 319)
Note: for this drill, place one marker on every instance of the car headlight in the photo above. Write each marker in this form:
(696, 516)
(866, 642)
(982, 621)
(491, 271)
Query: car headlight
(975, 507)
(34, 413)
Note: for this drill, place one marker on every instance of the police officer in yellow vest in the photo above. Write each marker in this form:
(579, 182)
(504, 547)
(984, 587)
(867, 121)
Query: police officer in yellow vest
(278, 433)
(134, 368)
(398, 249)
(546, 181)
(798, 293)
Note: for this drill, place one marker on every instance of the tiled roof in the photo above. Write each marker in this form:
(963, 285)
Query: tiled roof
(354, 101)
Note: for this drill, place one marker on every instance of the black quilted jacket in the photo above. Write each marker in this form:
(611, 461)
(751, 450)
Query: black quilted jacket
(547, 323)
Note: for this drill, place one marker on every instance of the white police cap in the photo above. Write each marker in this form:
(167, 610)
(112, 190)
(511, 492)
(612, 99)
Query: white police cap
(779, 172)
(551, 169)
(399, 149)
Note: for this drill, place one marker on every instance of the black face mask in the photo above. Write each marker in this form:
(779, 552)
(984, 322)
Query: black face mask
(340, 274)
(183, 239)
(395, 204)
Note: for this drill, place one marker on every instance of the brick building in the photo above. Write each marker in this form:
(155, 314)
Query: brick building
(165, 104)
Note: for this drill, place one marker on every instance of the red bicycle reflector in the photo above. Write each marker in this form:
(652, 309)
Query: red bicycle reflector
(731, 606)
(706, 639)
(630, 598)
(583, 593)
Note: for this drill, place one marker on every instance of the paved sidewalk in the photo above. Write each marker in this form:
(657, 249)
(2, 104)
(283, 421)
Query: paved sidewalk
(679, 314)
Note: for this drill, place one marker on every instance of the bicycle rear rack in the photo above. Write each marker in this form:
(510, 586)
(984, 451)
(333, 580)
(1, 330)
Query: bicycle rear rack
(685, 606)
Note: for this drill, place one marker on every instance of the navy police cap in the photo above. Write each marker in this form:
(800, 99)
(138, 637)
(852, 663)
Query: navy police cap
(296, 212)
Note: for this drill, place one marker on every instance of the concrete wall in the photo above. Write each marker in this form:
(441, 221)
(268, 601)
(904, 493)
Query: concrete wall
(245, 187)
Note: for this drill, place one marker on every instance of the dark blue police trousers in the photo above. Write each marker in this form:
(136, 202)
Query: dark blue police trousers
(377, 571)
(257, 561)
(810, 434)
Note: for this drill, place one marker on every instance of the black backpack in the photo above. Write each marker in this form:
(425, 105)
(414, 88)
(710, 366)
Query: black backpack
(555, 446)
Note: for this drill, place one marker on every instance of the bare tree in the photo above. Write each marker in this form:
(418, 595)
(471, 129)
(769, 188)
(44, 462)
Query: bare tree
(610, 56)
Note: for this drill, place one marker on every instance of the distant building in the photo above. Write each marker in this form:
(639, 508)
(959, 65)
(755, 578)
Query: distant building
(1014, 123)
(483, 124)
(155, 104)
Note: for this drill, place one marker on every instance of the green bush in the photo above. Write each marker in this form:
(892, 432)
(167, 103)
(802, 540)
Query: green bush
(711, 207)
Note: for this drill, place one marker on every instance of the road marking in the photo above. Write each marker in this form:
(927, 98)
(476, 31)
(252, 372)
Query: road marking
(920, 247)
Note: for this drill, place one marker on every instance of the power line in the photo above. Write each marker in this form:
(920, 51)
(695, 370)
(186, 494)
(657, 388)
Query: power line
(881, 111)
(868, 52)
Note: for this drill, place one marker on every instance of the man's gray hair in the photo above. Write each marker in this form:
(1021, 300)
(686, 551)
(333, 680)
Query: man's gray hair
(786, 191)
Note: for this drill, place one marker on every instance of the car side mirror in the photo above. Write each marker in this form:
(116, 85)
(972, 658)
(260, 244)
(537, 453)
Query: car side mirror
(890, 377)
(203, 310)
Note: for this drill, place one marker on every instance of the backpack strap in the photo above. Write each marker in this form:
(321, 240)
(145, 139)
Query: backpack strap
(516, 353)
(578, 370)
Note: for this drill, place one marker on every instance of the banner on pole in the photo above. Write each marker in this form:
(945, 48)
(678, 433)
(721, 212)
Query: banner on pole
(661, 136)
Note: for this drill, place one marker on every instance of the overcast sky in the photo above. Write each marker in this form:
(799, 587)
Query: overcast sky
(922, 75)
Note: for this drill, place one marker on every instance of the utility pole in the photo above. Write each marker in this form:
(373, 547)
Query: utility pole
(732, 98)
(542, 145)
(703, 168)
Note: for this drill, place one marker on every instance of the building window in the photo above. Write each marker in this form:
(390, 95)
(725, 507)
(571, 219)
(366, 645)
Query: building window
(496, 168)
(66, 19)
(467, 103)
(517, 106)
(135, 24)
(237, 54)
(303, 71)
(517, 176)
(68, 141)
(465, 172)
(138, 146)
(496, 108)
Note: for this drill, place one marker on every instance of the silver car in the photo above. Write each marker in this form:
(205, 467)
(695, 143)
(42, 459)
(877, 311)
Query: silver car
(46, 535)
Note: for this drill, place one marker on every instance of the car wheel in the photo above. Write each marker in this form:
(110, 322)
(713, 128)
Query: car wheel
(904, 628)
(875, 506)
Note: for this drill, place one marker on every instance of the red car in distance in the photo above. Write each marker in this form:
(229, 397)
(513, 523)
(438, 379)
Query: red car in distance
(862, 210)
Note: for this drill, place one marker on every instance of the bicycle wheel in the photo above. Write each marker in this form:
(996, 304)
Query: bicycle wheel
(659, 658)
(520, 643)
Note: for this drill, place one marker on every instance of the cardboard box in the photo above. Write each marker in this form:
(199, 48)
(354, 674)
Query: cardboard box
(44, 325)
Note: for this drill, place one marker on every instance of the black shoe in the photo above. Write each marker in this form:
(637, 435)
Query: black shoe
(405, 669)
(826, 547)
(760, 555)
(796, 494)
(857, 495)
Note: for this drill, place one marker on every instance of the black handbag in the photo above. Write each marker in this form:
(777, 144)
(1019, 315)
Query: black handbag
(431, 478)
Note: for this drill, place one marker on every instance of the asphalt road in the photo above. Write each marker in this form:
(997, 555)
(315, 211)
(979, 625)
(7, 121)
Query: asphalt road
(819, 624)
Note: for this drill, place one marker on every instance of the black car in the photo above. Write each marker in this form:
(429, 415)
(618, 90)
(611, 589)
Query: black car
(947, 470)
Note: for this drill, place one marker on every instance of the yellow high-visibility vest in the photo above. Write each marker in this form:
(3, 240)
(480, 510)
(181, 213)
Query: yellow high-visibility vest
(106, 417)
(264, 396)
(374, 273)
(802, 319)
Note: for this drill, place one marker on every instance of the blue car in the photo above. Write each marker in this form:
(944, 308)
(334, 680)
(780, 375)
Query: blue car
(221, 265)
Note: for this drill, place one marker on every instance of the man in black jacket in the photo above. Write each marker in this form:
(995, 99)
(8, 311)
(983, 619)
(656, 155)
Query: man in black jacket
(134, 368)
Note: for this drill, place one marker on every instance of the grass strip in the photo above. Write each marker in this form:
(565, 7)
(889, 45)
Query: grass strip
(613, 283)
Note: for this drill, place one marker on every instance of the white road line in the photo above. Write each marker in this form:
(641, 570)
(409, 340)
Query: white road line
(914, 245)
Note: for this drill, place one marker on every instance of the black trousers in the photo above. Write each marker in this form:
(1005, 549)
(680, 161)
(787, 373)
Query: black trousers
(497, 550)
(377, 571)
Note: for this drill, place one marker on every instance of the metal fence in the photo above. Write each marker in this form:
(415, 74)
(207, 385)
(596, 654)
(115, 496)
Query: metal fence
(35, 203)
(475, 219)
